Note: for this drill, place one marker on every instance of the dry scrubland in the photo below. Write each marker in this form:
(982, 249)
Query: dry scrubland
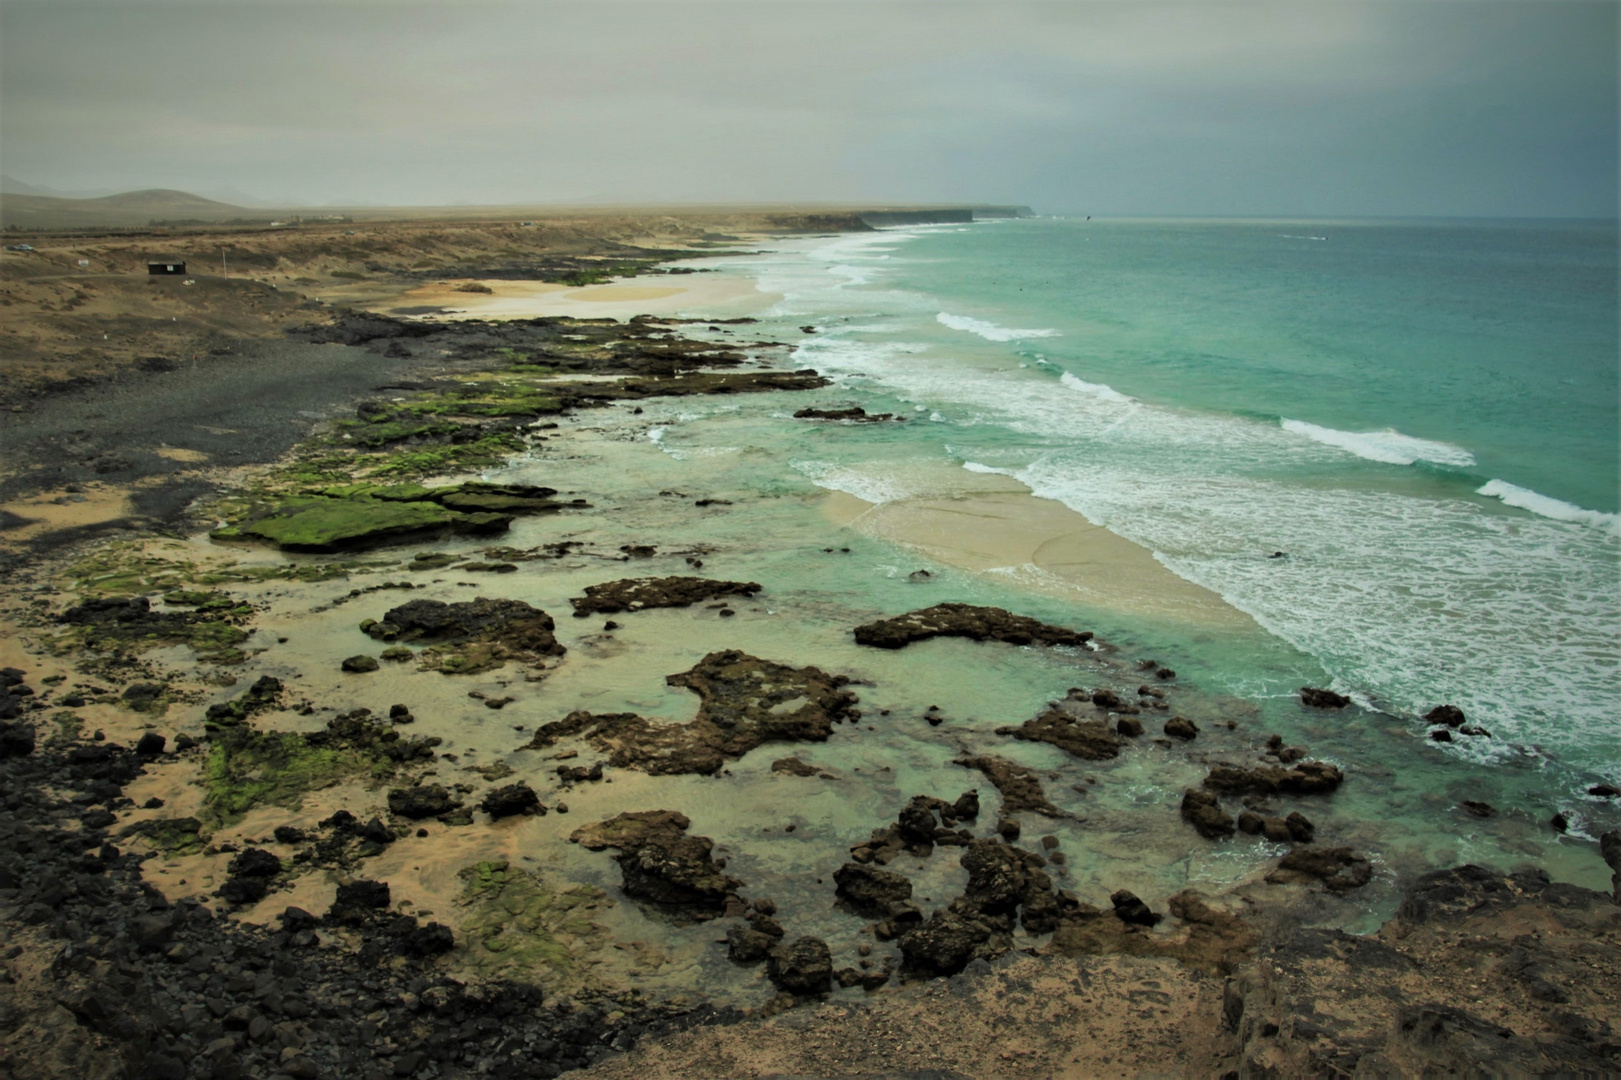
(64, 325)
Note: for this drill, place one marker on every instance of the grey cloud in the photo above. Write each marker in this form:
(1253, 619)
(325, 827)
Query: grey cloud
(1298, 107)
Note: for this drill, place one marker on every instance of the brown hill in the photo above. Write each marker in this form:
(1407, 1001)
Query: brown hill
(129, 208)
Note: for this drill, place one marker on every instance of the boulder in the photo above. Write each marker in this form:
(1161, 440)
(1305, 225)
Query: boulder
(869, 890)
(1131, 910)
(512, 799)
(1181, 727)
(802, 966)
(254, 862)
(1339, 869)
(423, 801)
(1450, 715)
(659, 863)
(1203, 811)
(356, 900)
(1318, 698)
(360, 663)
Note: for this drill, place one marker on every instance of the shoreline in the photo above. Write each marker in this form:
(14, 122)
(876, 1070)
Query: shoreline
(313, 617)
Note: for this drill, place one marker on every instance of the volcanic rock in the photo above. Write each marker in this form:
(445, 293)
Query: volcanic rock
(1203, 811)
(1339, 869)
(745, 702)
(1306, 778)
(1085, 739)
(661, 864)
(637, 594)
(964, 620)
(802, 966)
(1019, 786)
(1319, 698)
(869, 890)
(517, 798)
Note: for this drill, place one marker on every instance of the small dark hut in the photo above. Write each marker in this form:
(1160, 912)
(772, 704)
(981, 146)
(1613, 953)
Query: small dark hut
(169, 267)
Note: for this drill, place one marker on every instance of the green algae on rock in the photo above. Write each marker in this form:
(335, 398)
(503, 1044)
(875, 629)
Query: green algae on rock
(472, 636)
(245, 768)
(171, 836)
(516, 925)
(635, 594)
(965, 620)
(110, 623)
(745, 702)
(343, 517)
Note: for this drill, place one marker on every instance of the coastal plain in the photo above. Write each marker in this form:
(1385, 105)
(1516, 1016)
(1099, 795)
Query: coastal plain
(468, 690)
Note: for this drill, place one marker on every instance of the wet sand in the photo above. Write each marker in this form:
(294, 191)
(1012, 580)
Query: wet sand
(993, 525)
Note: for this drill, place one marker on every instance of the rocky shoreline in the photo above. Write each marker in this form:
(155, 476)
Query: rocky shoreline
(107, 975)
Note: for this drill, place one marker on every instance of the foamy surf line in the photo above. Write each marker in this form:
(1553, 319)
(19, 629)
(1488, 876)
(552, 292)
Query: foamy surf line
(1097, 390)
(1389, 446)
(989, 330)
(1547, 506)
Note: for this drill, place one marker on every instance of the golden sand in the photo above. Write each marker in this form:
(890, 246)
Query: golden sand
(53, 511)
(994, 525)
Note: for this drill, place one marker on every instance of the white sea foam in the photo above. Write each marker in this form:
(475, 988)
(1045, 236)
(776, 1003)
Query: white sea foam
(1098, 390)
(989, 330)
(976, 467)
(870, 484)
(1547, 506)
(1389, 446)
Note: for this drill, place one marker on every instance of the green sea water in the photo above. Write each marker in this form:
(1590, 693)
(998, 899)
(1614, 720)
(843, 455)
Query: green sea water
(1118, 392)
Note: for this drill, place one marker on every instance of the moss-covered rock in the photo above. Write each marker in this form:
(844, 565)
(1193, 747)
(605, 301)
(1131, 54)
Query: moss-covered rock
(514, 925)
(130, 623)
(246, 768)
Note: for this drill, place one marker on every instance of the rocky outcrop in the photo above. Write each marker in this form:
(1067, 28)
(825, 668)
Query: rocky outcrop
(1019, 786)
(470, 636)
(745, 702)
(511, 800)
(1610, 848)
(855, 414)
(1203, 811)
(1318, 698)
(636, 594)
(1006, 887)
(916, 830)
(661, 864)
(1090, 740)
(1340, 869)
(968, 621)
(422, 801)
(1479, 974)
(869, 890)
(802, 966)
(355, 516)
(1306, 778)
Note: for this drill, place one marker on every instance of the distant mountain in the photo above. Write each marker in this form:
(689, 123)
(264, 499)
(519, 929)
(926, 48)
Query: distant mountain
(127, 208)
(10, 185)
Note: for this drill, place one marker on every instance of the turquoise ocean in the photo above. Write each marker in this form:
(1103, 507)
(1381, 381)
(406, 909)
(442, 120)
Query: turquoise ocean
(1421, 416)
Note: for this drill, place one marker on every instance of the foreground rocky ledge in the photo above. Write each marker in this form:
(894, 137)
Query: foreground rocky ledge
(1480, 973)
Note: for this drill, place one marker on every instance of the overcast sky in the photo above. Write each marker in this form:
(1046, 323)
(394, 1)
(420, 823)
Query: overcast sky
(1309, 107)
